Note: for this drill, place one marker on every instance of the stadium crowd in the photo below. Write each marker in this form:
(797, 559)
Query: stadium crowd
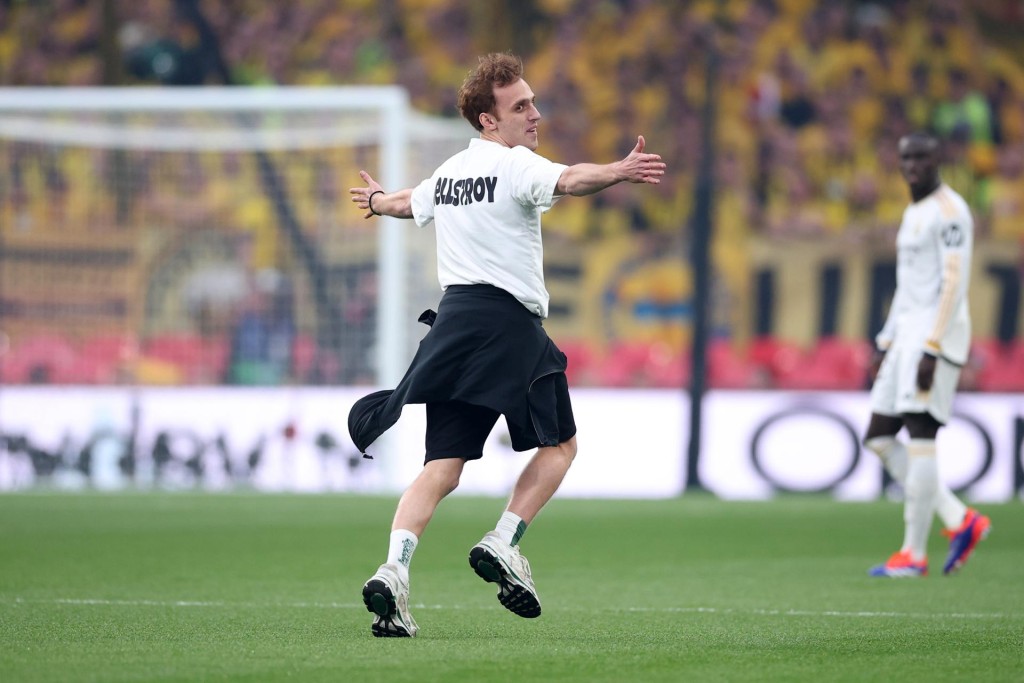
(811, 94)
(810, 99)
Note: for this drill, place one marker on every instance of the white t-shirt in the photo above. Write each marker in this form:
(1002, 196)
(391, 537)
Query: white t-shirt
(933, 267)
(486, 203)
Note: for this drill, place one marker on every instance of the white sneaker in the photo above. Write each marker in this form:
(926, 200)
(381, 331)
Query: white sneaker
(387, 596)
(498, 562)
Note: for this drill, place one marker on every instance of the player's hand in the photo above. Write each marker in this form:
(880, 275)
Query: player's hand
(640, 167)
(926, 372)
(361, 195)
(876, 363)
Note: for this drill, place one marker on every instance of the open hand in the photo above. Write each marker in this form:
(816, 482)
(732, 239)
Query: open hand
(361, 195)
(925, 372)
(640, 167)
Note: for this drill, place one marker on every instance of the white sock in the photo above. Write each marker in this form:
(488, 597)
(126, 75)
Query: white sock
(894, 457)
(921, 490)
(400, 550)
(511, 527)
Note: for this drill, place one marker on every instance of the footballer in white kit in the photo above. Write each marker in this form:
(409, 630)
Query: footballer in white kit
(929, 312)
(922, 347)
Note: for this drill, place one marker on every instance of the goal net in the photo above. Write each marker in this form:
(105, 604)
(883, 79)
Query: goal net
(206, 235)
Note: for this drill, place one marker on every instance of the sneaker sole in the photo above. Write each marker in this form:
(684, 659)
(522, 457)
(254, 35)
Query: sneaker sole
(513, 597)
(897, 574)
(379, 599)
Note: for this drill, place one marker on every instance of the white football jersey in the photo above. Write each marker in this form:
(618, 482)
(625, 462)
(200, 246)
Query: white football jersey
(486, 203)
(933, 251)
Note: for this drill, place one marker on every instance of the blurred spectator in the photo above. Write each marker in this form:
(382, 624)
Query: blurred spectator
(171, 56)
(1007, 214)
(920, 99)
(965, 108)
(261, 343)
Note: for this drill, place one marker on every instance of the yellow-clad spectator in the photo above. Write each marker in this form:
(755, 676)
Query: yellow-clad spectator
(1007, 195)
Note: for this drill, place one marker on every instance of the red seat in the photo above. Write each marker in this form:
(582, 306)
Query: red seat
(644, 364)
(304, 352)
(999, 367)
(831, 364)
(667, 367)
(582, 361)
(729, 368)
(39, 359)
(777, 359)
(847, 359)
(110, 347)
(104, 359)
(202, 360)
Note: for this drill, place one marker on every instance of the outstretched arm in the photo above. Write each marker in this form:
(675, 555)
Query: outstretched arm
(375, 201)
(637, 167)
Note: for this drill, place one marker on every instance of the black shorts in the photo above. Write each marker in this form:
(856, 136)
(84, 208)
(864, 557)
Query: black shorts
(459, 430)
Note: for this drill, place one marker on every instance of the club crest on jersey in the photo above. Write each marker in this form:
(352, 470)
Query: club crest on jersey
(464, 191)
(952, 235)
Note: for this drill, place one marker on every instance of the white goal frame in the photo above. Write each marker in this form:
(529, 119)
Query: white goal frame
(397, 125)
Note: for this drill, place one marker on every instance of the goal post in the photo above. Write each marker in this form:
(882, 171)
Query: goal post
(158, 213)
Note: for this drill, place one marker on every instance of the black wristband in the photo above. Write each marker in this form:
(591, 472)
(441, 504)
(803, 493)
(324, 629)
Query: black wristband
(369, 201)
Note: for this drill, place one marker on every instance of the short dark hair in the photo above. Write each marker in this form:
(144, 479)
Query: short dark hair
(494, 70)
(922, 136)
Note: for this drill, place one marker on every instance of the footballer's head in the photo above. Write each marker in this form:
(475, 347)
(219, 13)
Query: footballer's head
(920, 155)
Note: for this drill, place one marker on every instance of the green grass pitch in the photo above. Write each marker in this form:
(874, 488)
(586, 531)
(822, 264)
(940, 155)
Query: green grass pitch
(247, 587)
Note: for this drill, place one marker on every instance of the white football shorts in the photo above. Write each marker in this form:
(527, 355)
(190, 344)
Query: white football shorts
(895, 391)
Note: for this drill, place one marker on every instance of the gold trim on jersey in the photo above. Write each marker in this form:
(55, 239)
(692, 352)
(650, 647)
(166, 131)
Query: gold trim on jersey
(951, 275)
(946, 204)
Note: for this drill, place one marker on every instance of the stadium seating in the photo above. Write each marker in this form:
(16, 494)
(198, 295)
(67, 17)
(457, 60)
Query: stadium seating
(732, 368)
(809, 109)
(304, 355)
(997, 366)
(582, 360)
(40, 359)
(199, 360)
(831, 364)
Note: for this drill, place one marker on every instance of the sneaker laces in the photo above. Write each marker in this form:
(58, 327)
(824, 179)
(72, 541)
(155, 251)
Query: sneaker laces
(522, 564)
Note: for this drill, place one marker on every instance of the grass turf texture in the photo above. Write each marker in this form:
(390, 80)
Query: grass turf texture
(186, 587)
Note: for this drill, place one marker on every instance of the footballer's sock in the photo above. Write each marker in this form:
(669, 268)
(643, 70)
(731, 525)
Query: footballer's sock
(950, 509)
(921, 491)
(894, 457)
(400, 550)
(510, 528)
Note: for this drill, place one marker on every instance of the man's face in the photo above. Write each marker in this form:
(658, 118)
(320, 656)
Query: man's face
(919, 162)
(516, 115)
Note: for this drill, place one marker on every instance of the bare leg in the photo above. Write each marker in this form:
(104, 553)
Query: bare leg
(386, 594)
(494, 558)
(437, 479)
(883, 425)
(541, 478)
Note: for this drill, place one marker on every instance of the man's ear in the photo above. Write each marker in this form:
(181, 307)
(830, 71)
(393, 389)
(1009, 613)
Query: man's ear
(487, 121)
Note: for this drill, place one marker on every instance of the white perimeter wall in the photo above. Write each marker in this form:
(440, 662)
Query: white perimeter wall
(632, 443)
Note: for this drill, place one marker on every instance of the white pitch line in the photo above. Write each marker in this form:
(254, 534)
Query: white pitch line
(655, 610)
(830, 613)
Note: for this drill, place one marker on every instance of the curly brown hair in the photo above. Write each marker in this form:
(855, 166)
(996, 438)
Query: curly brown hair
(494, 70)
